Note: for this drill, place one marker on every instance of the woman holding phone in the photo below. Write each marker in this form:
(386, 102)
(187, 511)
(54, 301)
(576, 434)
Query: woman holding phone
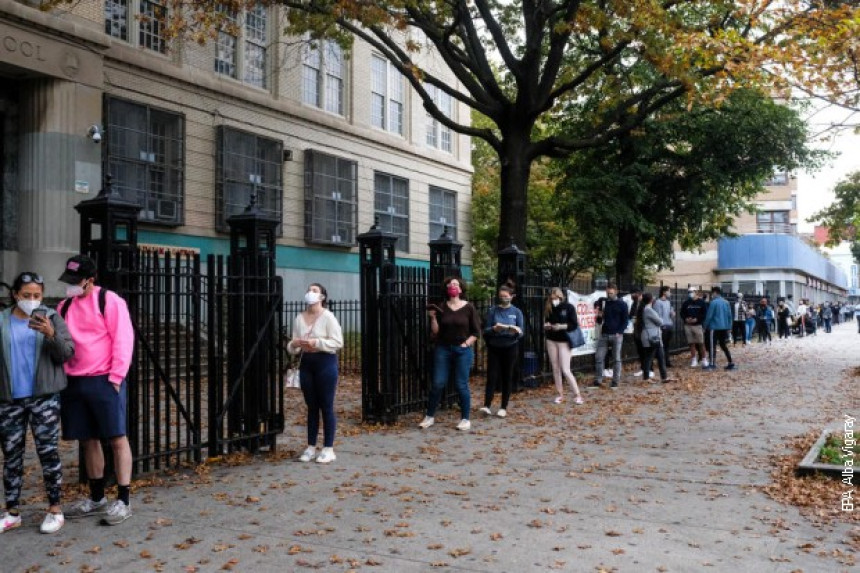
(34, 344)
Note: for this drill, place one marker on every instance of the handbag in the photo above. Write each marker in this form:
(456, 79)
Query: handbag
(293, 377)
(575, 338)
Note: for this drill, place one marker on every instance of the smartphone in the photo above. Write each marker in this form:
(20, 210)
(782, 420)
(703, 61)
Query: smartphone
(432, 306)
(38, 313)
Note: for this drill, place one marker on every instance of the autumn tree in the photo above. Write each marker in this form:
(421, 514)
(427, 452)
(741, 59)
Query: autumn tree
(554, 51)
(842, 217)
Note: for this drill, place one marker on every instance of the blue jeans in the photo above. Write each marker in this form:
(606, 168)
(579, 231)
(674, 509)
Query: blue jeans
(750, 325)
(451, 360)
(318, 378)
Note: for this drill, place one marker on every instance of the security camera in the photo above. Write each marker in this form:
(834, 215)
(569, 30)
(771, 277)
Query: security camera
(95, 133)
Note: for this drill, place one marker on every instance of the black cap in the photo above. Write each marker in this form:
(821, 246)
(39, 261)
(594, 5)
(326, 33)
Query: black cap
(635, 290)
(78, 268)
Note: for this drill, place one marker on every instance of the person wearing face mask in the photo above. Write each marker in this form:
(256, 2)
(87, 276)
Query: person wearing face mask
(317, 336)
(95, 402)
(783, 314)
(613, 317)
(559, 318)
(33, 350)
(503, 329)
(456, 327)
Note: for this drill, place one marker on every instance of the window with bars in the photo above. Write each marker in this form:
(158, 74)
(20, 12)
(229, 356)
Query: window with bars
(443, 212)
(144, 19)
(386, 96)
(438, 135)
(322, 76)
(247, 164)
(248, 63)
(145, 156)
(391, 206)
(331, 190)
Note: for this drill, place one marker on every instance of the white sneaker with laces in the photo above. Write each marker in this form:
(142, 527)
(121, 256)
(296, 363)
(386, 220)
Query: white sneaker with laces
(705, 363)
(607, 373)
(9, 521)
(309, 454)
(558, 400)
(578, 400)
(502, 413)
(466, 424)
(486, 411)
(326, 456)
(637, 373)
(694, 362)
(117, 512)
(426, 422)
(52, 523)
(86, 507)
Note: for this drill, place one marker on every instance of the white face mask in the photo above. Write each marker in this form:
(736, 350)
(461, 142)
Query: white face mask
(74, 290)
(28, 306)
(312, 297)
(556, 302)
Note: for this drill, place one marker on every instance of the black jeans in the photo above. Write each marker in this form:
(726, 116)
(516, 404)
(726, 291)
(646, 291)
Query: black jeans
(739, 329)
(763, 330)
(666, 335)
(501, 369)
(651, 352)
(718, 337)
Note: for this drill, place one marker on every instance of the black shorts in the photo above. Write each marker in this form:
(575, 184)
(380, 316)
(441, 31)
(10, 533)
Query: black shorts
(91, 408)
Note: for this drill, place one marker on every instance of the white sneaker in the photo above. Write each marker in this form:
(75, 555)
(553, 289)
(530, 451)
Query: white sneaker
(705, 363)
(608, 373)
(694, 362)
(486, 411)
(427, 422)
(502, 413)
(9, 521)
(53, 523)
(637, 373)
(578, 400)
(558, 400)
(326, 456)
(466, 424)
(309, 454)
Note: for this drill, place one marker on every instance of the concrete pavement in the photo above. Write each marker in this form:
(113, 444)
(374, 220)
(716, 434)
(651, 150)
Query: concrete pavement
(643, 478)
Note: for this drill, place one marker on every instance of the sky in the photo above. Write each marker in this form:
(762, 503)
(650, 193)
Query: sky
(815, 190)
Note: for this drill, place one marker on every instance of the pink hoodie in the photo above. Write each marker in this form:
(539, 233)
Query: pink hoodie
(103, 344)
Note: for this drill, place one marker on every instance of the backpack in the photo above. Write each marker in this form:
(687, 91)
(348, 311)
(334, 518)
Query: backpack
(67, 302)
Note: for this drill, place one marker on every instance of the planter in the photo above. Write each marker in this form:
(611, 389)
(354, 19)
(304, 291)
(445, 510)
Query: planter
(808, 465)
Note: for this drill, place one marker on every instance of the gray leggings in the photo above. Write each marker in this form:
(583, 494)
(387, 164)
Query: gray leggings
(43, 416)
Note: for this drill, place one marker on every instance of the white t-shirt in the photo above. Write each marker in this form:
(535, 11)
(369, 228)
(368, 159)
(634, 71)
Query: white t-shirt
(801, 310)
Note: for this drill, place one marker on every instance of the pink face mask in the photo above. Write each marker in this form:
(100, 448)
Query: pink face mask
(453, 291)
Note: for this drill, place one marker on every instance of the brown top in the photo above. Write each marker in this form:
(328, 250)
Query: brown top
(455, 326)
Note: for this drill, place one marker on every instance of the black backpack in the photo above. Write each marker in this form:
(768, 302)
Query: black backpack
(67, 302)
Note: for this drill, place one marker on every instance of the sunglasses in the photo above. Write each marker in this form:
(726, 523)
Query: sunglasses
(27, 278)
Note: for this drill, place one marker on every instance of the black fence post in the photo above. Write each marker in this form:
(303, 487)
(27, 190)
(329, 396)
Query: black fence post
(254, 330)
(445, 257)
(376, 256)
(109, 236)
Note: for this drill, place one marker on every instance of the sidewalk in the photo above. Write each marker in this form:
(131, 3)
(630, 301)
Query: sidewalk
(645, 478)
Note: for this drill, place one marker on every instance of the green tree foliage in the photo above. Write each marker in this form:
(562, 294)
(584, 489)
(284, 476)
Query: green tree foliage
(842, 217)
(682, 177)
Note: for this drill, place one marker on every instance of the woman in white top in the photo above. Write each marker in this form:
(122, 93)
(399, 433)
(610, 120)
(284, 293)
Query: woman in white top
(317, 336)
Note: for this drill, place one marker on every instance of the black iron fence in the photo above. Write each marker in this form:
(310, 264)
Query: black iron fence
(348, 314)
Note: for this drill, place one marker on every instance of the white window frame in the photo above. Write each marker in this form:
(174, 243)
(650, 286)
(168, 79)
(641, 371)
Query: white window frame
(446, 214)
(128, 20)
(386, 96)
(237, 38)
(439, 136)
(391, 206)
(323, 76)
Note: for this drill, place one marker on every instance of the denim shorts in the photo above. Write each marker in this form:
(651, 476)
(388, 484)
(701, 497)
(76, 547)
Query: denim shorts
(91, 408)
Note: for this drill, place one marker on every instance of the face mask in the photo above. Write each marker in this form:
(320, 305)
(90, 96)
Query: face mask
(312, 297)
(612, 296)
(28, 306)
(453, 291)
(504, 302)
(74, 290)
(555, 302)
(691, 294)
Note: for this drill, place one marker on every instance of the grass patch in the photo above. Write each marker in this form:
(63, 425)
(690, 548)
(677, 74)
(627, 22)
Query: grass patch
(832, 452)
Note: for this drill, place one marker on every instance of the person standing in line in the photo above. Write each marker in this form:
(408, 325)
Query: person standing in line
(633, 316)
(739, 319)
(456, 327)
(652, 338)
(762, 325)
(33, 350)
(749, 324)
(317, 336)
(802, 310)
(560, 318)
(827, 317)
(503, 330)
(693, 314)
(857, 316)
(613, 317)
(664, 309)
(95, 402)
(783, 315)
(719, 321)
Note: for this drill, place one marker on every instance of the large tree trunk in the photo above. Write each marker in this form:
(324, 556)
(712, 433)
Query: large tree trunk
(625, 257)
(516, 167)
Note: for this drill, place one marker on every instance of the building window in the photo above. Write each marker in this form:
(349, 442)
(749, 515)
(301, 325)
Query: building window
(146, 158)
(853, 276)
(247, 164)
(777, 180)
(773, 222)
(386, 95)
(116, 19)
(248, 63)
(443, 212)
(330, 199)
(322, 76)
(438, 135)
(391, 206)
(122, 17)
